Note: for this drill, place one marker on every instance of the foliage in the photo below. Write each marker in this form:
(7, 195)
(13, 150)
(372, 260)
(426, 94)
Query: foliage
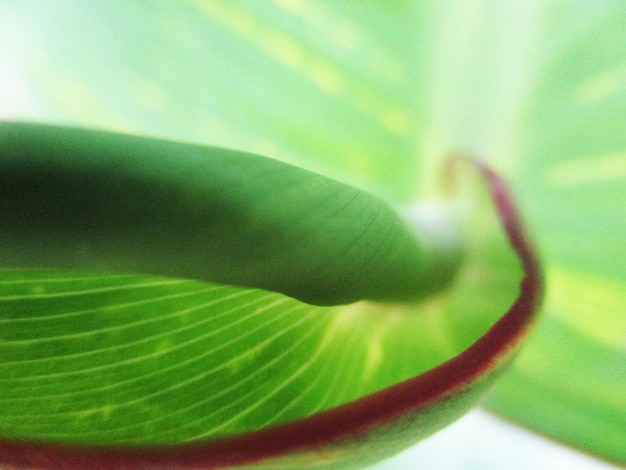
(375, 94)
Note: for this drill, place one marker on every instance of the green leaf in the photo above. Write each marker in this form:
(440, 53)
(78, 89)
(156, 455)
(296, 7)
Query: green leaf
(374, 93)
(132, 372)
(571, 383)
(75, 198)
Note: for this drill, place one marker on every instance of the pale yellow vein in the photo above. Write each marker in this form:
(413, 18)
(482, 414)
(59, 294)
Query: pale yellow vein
(603, 85)
(320, 72)
(587, 170)
(168, 333)
(233, 386)
(91, 291)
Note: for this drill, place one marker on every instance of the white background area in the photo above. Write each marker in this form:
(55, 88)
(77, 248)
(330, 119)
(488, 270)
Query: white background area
(481, 441)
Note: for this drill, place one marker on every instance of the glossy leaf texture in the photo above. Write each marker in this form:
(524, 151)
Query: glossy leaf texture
(374, 94)
(134, 373)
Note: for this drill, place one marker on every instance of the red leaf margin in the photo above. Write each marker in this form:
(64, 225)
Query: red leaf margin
(332, 435)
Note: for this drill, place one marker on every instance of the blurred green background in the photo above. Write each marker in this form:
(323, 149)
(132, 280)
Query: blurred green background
(375, 94)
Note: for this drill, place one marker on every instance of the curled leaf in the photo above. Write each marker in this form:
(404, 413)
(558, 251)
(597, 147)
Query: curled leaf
(74, 358)
(79, 198)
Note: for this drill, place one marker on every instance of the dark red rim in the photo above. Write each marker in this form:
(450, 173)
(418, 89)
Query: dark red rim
(335, 425)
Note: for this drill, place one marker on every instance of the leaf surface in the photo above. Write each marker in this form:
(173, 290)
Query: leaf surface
(75, 198)
(218, 377)
(374, 94)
